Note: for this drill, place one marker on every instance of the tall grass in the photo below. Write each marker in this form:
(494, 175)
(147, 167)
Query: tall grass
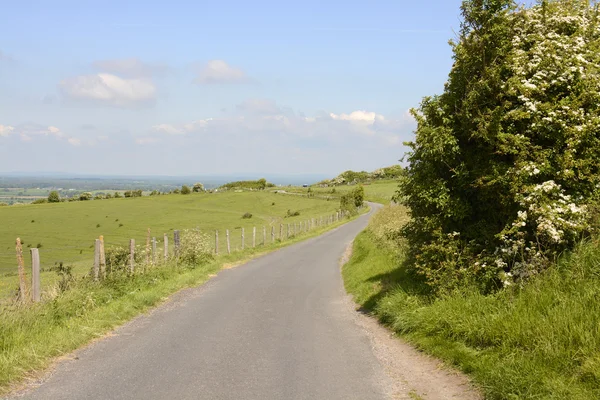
(538, 341)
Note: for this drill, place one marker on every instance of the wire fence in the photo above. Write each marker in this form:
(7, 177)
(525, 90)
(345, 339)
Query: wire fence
(88, 259)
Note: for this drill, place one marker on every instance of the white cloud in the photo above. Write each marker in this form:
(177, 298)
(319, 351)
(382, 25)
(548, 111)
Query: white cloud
(218, 71)
(74, 141)
(130, 67)
(259, 117)
(168, 129)
(6, 130)
(109, 89)
(27, 133)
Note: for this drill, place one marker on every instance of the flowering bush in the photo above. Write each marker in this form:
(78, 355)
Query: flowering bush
(195, 247)
(508, 156)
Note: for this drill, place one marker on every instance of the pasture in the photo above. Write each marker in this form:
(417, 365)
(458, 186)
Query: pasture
(65, 232)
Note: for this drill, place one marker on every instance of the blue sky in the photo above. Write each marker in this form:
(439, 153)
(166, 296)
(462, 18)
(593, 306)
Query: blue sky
(195, 87)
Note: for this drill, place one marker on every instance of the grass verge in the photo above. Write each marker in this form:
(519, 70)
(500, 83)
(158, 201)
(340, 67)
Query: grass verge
(539, 341)
(32, 336)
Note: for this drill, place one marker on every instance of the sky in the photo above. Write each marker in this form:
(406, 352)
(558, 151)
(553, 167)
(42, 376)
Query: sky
(135, 87)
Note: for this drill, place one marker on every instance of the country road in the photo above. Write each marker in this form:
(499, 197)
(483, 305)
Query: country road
(278, 327)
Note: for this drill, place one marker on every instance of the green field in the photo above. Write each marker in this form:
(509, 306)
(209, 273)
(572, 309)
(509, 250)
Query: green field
(378, 191)
(66, 231)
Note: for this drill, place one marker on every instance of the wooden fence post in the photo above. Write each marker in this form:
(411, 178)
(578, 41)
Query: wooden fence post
(96, 270)
(21, 266)
(217, 242)
(166, 246)
(153, 251)
(272, 234)
(243, 239)
(102, 258)
(176, 242)
(131, 255)
(35, 275)
(253, 237)
(228, 243)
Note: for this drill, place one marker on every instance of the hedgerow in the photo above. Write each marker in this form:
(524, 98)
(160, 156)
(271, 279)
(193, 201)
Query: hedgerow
(505, 166)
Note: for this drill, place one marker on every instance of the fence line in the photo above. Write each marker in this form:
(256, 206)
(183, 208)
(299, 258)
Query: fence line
(98, 270)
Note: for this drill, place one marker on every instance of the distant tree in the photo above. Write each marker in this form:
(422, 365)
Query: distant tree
(198, 187)
(85, 196)
(108, 196)
(185, 189)
(127, 193)
(54, 197)
(98, 197)
(154, 193)
(117, 195)
(262, 183)
(175, 191)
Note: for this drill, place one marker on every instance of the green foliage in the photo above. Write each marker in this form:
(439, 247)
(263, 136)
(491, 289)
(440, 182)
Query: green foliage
(196, 248)
(198, 187)
(53, 197)
(108, 196)
(65, 275)
(118, 195)
(533, 341)
(291, 213)
(352, 177)
(185, 189)
(352, 200)
(39, 201)
(506, 159)
(154, 193)
(132, 193)
(260, 184)
(85, 196)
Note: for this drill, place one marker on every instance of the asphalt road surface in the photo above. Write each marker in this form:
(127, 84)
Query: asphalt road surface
(278, 327)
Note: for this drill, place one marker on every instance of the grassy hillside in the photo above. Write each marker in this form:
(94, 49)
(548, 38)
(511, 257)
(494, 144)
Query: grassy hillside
(66, 231)
(380, 191)
(540, 341)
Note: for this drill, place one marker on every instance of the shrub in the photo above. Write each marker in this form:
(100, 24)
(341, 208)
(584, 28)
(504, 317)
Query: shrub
(108, 196)
(117, 195)
(198, 187)
(506, 160)
(185, 189)
(53, 197)
(65, 273)
(247, 216)
(85, 196)
(195, 248)
(3, 204)
(39, 201)
(291, 213)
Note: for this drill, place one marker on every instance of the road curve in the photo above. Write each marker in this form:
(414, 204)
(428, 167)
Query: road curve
(278, 327)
